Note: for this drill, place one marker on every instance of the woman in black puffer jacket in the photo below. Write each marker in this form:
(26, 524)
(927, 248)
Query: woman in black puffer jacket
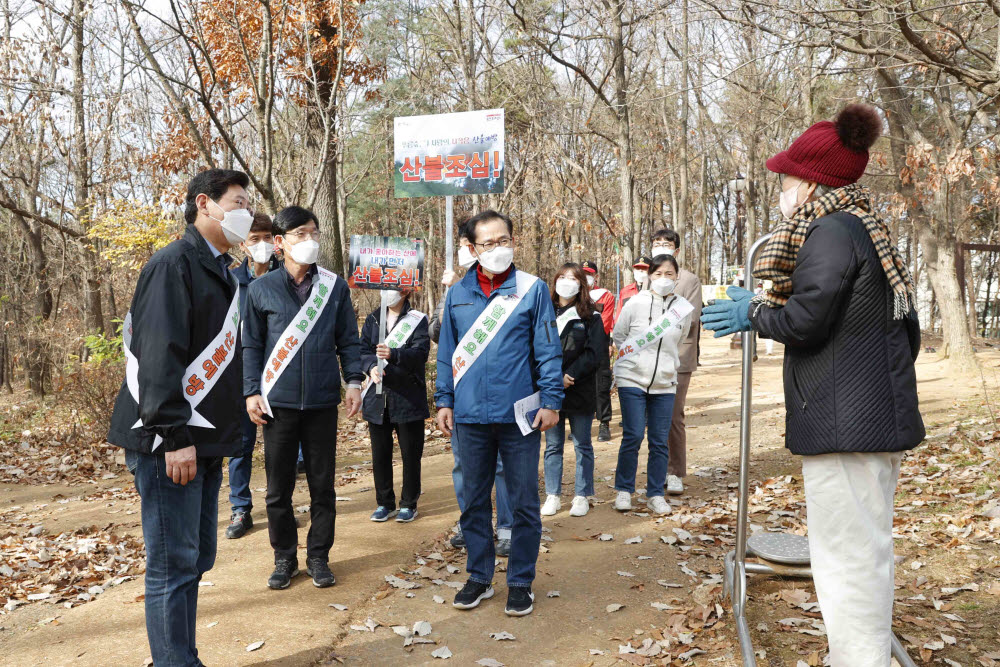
(842, 304)
(581, 332)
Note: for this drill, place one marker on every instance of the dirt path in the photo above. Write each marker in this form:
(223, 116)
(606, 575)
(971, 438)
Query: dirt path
(299, 626)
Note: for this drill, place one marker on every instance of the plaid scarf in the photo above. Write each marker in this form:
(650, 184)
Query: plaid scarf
(777, 259)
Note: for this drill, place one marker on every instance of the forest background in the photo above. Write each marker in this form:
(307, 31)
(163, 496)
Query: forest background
(622, 116)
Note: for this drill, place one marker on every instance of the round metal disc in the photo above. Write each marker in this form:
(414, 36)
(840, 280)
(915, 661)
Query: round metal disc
(780, 547)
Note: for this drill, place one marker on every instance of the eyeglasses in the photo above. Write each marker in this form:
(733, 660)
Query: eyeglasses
(505, 242)
(298, 236)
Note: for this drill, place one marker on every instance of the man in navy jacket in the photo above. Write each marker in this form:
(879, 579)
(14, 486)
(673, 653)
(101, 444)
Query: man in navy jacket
(259, 249)
(499, 344)
(298, 322)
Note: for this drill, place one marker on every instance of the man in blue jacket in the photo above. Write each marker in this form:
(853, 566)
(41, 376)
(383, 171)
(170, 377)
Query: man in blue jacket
(298, 322)
(499, 344)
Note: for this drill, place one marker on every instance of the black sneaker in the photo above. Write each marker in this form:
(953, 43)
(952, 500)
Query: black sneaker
(239, 524)
(284, 570)
(472, 594)
(503, 548)
(520, 601)
(458, 539)
(604, 432)
(319, 570)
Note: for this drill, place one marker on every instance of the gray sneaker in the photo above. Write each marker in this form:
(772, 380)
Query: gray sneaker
(503, 548)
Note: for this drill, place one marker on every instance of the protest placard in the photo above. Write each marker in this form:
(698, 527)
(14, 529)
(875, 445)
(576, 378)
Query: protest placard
(449, 154)
(386, 262)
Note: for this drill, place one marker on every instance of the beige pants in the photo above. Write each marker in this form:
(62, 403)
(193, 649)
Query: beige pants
(677, 440)
(849, 501)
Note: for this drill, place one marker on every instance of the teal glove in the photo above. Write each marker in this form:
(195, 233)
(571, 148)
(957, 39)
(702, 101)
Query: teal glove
(728, 317)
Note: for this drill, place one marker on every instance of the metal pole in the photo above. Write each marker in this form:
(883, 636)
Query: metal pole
(449, 233)
(381, 336)
(742, 512)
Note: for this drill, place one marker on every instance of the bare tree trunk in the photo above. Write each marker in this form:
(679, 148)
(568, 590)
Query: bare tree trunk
(37, 362)
(626, 179)
(934, 234)
(81, 176)
(680, 223)
(328, 206)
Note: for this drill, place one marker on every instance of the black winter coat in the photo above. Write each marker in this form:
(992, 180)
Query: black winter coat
(312, 380)
(178, 308)
(582, 345)
(850, 383)
(404, 380)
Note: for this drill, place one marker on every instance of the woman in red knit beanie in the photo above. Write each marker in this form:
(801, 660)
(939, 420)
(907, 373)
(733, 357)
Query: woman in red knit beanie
(842, 304)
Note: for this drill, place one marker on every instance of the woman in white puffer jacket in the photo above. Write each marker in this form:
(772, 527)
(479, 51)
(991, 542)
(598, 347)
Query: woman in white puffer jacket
(647, 335)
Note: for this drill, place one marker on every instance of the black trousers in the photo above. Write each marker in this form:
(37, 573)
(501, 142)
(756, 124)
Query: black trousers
(317, 431)
(604, 387)
(411, 448)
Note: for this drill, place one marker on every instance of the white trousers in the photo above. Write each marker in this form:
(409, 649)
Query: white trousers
(849, 500)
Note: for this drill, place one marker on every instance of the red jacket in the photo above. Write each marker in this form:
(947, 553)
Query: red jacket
(630, 291)
(605, 301)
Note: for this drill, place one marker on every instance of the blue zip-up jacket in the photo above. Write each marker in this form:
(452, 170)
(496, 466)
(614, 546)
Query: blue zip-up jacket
(244, 276)
(312, 380)
(525, 357)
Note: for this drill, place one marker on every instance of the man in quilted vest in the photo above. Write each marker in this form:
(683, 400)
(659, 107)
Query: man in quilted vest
(842, 304)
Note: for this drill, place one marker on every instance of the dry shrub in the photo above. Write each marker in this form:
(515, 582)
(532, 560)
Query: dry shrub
(91, 389)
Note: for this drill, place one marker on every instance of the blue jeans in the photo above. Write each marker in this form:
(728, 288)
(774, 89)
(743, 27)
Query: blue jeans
(179, 527)
(481, 445)
(504, 518)
(555, 438)
(644, 414)
(240, 468)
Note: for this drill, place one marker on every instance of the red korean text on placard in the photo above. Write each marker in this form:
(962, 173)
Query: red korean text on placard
(410, 169)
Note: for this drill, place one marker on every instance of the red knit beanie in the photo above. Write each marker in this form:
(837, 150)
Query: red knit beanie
(832, 153)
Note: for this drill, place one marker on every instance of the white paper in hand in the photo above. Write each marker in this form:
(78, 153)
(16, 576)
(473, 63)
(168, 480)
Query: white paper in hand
(525, 411)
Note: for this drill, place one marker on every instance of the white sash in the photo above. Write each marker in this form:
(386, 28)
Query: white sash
(566, 318)
(487, 325)
(295, 334)
(400, 334)
(201, 374)
(672, 316)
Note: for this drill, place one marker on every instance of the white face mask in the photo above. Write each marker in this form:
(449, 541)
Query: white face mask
(394, 297)
(663, 286)
(591, 280)
(497, 260)
(788, 202)
(261, 252)
(235, 224)
(640, 276)
(303, 252)
(567, 288)
(663, 250)
(465, 257)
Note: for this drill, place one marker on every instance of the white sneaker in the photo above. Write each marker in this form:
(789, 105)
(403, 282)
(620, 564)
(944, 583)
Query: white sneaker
(657, 505)
(623, 503)
(580, 506)
(675, 485)
(551, 506)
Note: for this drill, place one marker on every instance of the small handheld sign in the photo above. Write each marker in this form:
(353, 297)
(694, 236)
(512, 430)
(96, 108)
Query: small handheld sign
(385, 263)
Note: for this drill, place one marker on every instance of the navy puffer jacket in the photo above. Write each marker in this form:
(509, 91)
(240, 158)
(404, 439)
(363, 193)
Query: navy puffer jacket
(850, 383)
